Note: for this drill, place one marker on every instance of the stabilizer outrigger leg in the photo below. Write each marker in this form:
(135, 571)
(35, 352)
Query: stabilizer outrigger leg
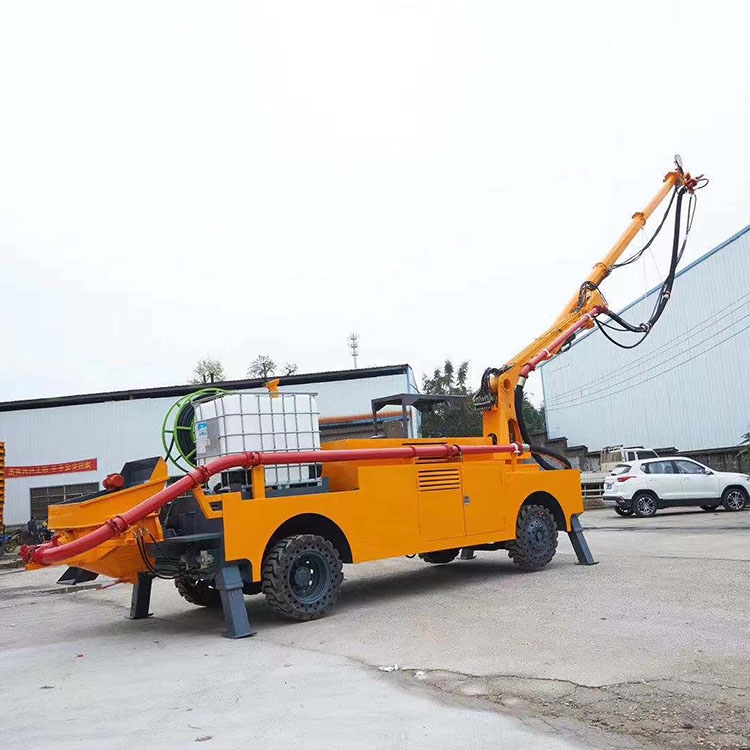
(579, 543)
(229, 583)
(140, 599)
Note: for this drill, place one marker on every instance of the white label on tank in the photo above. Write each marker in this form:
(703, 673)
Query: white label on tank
(201, 437)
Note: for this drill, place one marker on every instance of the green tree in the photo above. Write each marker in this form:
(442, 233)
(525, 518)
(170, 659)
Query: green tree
(534, 417)
(264, 367)
(208, 370)
(464, 420)
(444, 421)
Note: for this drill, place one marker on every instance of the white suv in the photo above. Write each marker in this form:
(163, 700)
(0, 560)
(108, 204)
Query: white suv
(642, 487)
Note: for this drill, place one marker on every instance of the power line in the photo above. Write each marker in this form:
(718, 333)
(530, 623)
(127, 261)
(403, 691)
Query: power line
(653, 377)
(612, 385)
(659, 350)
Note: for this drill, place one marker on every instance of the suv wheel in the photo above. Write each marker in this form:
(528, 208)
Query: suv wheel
(734, 498)
(644, 505)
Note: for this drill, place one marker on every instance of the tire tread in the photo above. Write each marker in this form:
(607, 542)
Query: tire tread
(519, 552)
(275, 573)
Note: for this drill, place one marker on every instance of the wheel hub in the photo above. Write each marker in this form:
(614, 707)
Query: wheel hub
(734, 500)
(309, 576)
(538, 533)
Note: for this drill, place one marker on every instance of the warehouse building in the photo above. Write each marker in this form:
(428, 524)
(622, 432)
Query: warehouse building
(686, 386)
(61, 448)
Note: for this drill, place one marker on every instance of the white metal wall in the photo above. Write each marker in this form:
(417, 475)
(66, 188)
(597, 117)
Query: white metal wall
(114, 432)
(685, 386)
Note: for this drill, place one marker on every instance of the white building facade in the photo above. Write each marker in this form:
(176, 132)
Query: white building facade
(60, 448)
(686, 386)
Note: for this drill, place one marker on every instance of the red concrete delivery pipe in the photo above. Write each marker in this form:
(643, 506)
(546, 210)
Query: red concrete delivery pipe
(531, 365)
(54, 552)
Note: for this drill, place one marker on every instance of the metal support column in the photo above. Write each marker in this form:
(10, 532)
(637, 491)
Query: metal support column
(140, 599)
(579, 543)
(229, 584)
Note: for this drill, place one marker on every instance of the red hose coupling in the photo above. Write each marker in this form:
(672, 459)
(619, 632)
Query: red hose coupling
(117, 525)
(200, 474)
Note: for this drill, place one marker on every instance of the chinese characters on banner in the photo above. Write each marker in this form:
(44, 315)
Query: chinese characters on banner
(87, 464)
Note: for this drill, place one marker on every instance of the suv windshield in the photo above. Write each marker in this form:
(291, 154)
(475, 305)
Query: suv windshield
(620, 469)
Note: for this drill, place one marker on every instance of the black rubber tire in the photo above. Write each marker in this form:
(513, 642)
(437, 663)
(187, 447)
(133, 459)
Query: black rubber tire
(441, 557)
(9, 548)
(734, 499)
(709, 508)
(645, 505)
(251, 589)
(288, 556)
(197, 592)
(623, 511)
(536, 538)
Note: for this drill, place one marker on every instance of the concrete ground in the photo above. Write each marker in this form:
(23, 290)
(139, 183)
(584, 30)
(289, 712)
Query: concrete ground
(649, 648)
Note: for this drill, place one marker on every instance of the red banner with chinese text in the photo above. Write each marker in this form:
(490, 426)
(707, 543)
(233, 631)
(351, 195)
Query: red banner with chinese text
(69, 467)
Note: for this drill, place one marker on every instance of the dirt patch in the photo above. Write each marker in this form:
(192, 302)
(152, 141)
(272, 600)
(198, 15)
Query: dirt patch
(664, 713)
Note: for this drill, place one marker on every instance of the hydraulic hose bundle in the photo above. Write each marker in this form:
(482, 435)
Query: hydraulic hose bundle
(589, 304)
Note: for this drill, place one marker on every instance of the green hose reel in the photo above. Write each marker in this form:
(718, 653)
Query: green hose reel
(178, 428)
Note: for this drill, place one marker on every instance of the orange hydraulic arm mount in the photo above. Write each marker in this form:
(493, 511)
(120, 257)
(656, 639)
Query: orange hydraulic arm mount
(498, 397)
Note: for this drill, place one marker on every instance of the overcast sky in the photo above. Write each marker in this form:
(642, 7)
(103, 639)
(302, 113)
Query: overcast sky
(226, 179)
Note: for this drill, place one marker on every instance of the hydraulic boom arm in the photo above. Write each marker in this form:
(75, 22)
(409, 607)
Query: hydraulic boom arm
(501, 392)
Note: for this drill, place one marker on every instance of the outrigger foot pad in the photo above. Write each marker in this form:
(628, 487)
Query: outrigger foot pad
(579, 543)
(229, 583)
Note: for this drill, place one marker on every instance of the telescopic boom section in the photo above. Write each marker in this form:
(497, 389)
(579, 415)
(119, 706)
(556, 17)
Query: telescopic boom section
(500, 420)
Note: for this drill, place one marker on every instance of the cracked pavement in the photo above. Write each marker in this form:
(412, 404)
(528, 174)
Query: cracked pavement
(649, 648)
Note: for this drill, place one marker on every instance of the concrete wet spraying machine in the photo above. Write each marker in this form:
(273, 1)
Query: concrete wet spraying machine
(264, 507)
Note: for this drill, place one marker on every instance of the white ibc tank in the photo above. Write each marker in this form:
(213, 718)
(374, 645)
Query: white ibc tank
(259, 421)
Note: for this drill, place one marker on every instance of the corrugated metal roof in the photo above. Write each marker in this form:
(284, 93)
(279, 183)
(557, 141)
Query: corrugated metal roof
(182, 390)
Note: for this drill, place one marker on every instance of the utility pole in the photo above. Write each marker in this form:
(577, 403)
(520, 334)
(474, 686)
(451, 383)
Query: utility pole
(354, 347)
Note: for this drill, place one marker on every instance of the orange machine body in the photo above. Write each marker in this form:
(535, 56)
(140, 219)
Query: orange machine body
(377, 509)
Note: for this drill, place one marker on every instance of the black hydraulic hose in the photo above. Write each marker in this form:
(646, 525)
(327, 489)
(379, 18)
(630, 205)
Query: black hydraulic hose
(538, 452)
(183, 434)
(666, 288)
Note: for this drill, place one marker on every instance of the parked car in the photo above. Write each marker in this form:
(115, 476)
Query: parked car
(643, 487)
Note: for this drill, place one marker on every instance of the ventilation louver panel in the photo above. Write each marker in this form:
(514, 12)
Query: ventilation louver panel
(434, 480)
